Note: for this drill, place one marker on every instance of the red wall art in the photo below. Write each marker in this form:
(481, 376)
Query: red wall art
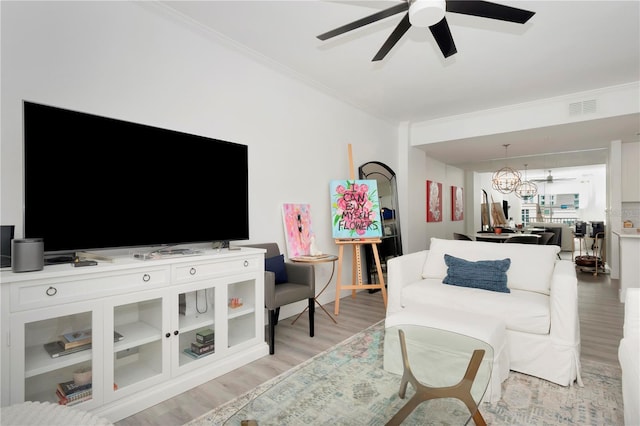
(457, 203)
(434, 201)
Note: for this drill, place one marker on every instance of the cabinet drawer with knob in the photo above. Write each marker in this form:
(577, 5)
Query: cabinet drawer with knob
(50, 292)
(212, 269)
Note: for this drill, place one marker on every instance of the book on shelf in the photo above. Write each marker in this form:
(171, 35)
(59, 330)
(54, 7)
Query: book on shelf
(76, 338)
(202, 348)
(205, 335)
(73, 400)
(74, 396)
(192, 354)
(63, 400)
(70, 394)
(81, 393)
(70, 388)
(58, 348)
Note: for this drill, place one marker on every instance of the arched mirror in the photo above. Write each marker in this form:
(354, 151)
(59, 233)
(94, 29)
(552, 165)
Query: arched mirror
(391, 245)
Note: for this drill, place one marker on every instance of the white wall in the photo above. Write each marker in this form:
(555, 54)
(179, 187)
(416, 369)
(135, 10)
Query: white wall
(612, 101)
(134, 61)
(421, 168)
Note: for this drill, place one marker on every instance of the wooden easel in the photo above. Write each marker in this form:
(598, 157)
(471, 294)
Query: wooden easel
(356, 270)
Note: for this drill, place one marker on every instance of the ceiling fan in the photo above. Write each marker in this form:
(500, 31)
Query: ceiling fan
(551, 179)
(430, 13)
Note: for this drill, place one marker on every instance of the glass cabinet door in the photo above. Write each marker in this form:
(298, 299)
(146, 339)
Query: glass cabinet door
(241, 312)
(137, 356)
(196, 326)
(54, 358)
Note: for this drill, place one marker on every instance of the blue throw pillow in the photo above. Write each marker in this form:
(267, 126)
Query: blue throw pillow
(276, 264)
(484, 274)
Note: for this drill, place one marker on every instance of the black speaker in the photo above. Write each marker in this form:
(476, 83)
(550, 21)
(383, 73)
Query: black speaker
(28, 254)
(6, 235)
(597, 228)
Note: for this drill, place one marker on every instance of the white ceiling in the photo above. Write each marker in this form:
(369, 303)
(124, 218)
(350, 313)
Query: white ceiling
(567, 47)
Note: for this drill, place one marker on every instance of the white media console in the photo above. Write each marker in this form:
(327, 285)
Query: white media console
(157, 306)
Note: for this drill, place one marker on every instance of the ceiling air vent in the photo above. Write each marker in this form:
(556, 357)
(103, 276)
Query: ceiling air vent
(589, 106)
(584, 107)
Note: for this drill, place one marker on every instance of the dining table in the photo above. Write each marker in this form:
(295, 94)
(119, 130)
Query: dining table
(499, 238)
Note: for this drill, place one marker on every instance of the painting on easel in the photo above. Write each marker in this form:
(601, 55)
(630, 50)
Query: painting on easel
(355, 209)
(297, 228)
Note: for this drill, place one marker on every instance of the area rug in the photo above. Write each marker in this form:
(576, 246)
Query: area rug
(346, 385)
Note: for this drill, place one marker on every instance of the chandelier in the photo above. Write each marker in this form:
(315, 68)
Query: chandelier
(505, 180)
(526, 189)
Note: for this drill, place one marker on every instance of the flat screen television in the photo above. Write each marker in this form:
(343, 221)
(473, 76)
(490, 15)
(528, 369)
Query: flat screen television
(92, 182)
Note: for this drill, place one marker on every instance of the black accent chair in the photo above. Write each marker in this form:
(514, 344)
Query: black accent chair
(557, 236)
(487, 240)
(301, 285)
(464, 237)
(557, 240)
(546, 238)
(523, 239)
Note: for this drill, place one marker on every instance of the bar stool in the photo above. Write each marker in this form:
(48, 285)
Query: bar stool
(581, 242)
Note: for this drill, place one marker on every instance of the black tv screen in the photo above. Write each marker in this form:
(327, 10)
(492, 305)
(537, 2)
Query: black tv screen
(92, 182)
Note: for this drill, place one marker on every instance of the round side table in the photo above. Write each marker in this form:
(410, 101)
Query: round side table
(317, 260)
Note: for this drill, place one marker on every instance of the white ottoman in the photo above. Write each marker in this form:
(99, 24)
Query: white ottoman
(482, 327)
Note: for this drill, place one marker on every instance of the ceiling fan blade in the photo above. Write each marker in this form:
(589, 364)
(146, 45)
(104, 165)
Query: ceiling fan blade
(366, 20)
(443, 37)
(402, 28)
(487, 9)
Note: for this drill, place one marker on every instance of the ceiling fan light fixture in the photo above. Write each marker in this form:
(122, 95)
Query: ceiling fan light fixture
(431, 14)
(425, 13)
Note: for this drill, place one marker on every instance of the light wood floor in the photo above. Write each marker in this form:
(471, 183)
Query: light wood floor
(601, 319)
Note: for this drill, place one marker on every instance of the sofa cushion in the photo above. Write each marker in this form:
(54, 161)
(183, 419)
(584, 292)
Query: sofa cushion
(524, 311)
(531, 265)
(275, 264)
(483, 274)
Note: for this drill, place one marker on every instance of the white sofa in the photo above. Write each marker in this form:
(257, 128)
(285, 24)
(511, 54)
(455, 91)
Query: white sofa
(540, 311)
(629, 358)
